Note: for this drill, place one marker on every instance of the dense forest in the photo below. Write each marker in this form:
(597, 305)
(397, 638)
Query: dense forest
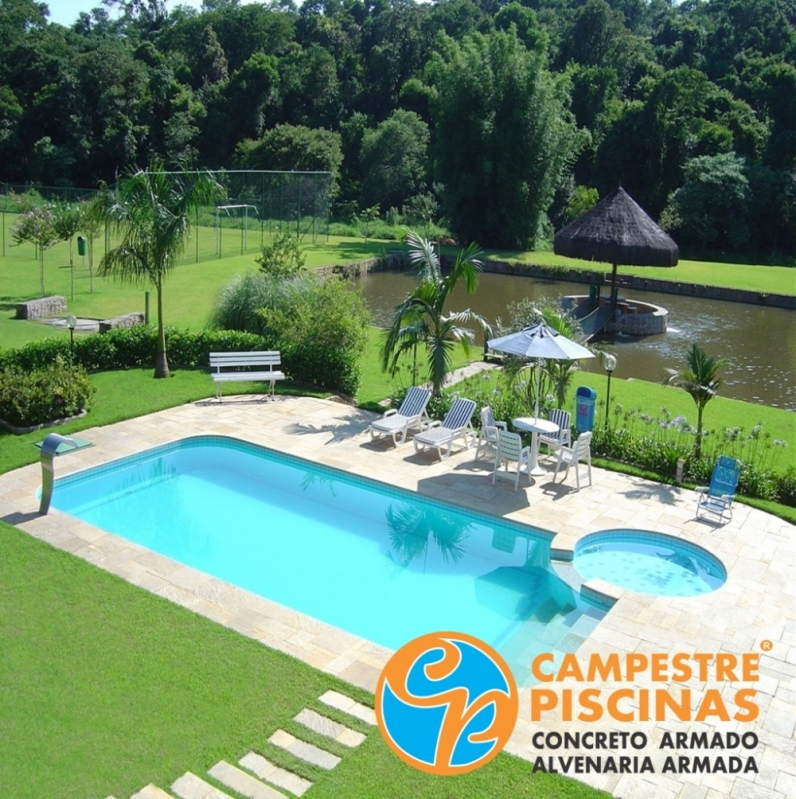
(505, 119)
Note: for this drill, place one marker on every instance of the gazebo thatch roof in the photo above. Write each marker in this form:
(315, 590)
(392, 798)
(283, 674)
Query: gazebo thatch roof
(617, 231)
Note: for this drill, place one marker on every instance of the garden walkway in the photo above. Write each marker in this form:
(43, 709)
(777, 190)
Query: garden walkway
(754, 606)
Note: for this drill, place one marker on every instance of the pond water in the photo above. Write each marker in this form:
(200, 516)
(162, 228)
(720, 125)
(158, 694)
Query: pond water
(759, 341)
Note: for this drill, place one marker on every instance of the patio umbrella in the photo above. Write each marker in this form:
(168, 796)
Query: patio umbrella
(617, 231)
(540, 341)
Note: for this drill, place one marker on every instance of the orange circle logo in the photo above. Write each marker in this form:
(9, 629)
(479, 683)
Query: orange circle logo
(446, 703)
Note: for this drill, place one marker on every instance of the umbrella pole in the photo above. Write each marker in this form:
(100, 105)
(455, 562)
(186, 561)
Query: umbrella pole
(613, 290)
(538, 386)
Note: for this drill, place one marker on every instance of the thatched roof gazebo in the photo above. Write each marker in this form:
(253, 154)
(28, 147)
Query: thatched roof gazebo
(617, 231)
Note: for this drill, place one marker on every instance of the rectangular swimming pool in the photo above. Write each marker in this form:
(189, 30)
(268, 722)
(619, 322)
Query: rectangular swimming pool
(379, 562)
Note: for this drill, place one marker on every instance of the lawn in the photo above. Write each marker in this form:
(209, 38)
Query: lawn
(106, 687)
(750, 277)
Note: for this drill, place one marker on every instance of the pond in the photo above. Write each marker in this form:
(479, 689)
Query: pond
(759, 341)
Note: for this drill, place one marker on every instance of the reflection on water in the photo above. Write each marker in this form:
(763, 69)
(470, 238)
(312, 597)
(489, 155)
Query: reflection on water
(410, 527)
(760, 342)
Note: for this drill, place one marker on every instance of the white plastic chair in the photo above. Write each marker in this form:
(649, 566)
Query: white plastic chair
(488, 436)
(510, 450)
(563, 438)
(456, 424)
(398, 422)
(579, 451)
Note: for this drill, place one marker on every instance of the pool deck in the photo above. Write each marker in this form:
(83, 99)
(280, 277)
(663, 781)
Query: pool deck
(754, 611)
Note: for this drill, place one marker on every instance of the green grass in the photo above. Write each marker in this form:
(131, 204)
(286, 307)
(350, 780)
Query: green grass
(106, 687)
(125, 395)
(751, 277)
(376, 384)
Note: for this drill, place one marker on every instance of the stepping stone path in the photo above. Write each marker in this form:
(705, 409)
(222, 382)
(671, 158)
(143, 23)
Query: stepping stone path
(260, 774)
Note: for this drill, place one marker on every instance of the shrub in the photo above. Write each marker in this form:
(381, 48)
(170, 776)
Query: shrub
(282, 257)
(129, 348)
(46, 395)
(319, 325)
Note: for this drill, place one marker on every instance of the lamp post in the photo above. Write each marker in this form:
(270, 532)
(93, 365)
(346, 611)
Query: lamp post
(71, 323)
(609, 361)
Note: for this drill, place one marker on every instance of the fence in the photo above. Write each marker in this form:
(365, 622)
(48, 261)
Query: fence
(256, 205)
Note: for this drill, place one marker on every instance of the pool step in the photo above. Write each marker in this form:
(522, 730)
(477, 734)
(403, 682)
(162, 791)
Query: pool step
(267, 771)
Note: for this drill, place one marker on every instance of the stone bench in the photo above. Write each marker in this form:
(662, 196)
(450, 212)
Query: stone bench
(125, 320)
(41, 308)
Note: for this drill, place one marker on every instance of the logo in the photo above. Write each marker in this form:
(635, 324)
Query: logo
(446, 703)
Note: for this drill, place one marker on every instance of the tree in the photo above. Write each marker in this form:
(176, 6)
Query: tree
(294, 147)
(152, 211)
(66, 219)
(709, 209)
(503, 137)
(419, 319)
(37, 226)
(393, 160)
(700, 378)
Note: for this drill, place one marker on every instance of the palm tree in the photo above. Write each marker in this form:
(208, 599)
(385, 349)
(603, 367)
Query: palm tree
(152, 211)
(701, 380)
(419, 319)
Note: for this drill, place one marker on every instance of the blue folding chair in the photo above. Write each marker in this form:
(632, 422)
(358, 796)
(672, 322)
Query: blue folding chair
(718, 496)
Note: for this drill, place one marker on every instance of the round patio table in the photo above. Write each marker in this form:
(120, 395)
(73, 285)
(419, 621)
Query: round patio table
(534, 425)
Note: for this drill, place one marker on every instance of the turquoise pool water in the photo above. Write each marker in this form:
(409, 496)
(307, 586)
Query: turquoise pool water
(382, 563)
(649, 563)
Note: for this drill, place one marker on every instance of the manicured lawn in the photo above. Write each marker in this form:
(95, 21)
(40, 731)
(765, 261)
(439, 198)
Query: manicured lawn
(650, 398)
(105, 687)
(765, 279)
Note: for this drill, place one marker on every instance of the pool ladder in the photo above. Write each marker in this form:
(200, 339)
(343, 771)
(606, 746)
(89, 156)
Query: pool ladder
(49, 449)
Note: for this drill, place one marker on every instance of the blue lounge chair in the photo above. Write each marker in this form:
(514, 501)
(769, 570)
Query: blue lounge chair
(718, 496)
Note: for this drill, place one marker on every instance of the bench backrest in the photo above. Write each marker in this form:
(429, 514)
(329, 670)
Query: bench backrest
(269, 359)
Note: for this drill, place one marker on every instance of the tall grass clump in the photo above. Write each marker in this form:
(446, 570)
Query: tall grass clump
(318, 324)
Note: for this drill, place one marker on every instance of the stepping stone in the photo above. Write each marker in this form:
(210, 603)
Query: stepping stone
(242, 783)
(189, 786)
(280, 777)
(301, 749)
(350, 706)
(331, 729)
(151, 792)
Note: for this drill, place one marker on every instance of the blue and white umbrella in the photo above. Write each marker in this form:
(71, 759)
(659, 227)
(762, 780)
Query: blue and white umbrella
(541, 342)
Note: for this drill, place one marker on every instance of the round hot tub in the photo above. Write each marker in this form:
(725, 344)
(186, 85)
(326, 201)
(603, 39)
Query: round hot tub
(648, 563)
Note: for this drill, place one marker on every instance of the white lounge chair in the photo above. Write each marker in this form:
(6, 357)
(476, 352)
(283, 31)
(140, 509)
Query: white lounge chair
(488, 435)
(510, 450)
(398, 422)
(579, 451)
(456, 424)
(563, 438)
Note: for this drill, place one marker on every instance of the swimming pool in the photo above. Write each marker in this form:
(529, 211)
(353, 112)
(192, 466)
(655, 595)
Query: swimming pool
(379, 562)
(649, 563)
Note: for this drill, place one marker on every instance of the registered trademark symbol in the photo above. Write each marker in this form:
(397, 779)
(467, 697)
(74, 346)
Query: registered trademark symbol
(766, 645)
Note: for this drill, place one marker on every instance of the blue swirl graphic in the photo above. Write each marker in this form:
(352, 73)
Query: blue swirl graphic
(416, 730)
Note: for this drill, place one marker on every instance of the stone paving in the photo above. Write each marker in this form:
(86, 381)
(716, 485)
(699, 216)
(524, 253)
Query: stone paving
(755, 605)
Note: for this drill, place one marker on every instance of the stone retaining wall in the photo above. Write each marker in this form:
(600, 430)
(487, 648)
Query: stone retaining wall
(125, 320)
(41, 308)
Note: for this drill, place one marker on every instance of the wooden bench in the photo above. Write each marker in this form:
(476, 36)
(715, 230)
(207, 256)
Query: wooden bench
(244, 364)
